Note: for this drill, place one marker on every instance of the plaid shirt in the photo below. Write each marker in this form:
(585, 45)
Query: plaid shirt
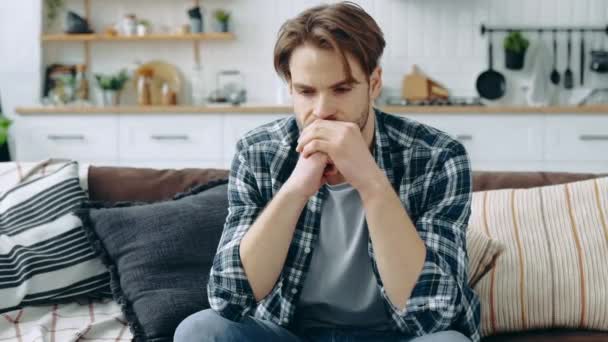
(428, 170)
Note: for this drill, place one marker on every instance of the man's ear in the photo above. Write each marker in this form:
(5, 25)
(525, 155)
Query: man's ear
(375, 83)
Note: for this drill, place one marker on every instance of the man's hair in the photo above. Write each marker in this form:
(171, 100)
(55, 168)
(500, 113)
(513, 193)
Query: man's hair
(343, 27)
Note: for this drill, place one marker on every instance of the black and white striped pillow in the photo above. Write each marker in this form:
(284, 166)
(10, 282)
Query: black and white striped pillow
(45, 256)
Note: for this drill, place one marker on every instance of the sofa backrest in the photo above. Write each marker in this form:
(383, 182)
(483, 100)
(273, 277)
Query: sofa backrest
(114, 184)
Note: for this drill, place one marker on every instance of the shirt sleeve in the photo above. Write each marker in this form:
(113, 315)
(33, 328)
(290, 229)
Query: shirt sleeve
(228, 289)
(436, 301)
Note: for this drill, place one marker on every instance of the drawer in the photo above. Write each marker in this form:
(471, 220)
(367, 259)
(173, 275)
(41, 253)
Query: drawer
(492, 137)
(237, 125)
(177, 137)
(91, 138)
(580, 138)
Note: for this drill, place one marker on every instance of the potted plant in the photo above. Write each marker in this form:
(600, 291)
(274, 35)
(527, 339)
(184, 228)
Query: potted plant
(111, 86)
(143, 27)
(5, 124)
(515, 45)
(52, 11)
(223, 18)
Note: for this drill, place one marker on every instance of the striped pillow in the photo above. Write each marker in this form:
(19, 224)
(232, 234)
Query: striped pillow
(45, 256)
(554, 269)
(482, 252)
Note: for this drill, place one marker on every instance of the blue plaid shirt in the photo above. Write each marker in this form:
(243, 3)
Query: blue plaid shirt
(428, 170)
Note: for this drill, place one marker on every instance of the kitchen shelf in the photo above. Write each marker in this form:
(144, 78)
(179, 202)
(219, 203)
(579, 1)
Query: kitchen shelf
(150, 37)
(267, 109)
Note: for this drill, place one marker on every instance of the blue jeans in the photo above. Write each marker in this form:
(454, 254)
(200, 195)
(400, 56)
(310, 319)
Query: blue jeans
(207, 325)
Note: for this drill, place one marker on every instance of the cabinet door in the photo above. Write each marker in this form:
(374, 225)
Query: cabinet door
(91, 138)
(179, 137)
(493, 138)
(577, 138)
(237, 125)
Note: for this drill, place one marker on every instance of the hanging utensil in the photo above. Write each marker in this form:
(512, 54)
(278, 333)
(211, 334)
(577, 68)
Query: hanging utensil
(555, 77)
(582, 58)
(568, 76)
(490, 84)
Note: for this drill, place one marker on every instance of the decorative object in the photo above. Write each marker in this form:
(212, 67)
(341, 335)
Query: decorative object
(223, 19)
(81, 83)
(52, 10)
(162, 72)
(196, 20)
(44, 252)
(143, 27)
(515, 45)
(145, 245)
(111, 86)
(129, 25)
(75, 24)
(144, 83)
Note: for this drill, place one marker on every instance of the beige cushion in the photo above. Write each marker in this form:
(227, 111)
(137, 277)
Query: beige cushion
(554, 269)
(483, 253)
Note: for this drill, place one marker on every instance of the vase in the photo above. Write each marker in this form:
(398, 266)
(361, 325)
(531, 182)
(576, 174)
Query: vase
(514, 60)
(111, 97)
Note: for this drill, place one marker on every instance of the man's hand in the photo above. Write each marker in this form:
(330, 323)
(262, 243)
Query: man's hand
(307, 177)
(346, 148)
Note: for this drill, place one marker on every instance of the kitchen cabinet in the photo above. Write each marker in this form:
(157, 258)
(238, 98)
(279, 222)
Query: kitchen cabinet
(575, 142)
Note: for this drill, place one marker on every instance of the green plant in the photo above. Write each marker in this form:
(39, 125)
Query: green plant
(112, 82)
(516, 42)
(221, 15)
(144, 22)
(52, 10)
(5, 123)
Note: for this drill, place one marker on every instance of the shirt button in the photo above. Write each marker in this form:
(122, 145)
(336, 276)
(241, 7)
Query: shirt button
(307, 250)
(294, 291)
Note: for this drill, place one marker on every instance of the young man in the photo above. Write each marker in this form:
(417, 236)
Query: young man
(344, 222)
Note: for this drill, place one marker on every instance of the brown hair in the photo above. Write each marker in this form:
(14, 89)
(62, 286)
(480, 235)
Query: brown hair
(343, 27)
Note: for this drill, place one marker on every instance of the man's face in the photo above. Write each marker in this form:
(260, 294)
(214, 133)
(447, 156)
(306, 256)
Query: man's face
(319, 92)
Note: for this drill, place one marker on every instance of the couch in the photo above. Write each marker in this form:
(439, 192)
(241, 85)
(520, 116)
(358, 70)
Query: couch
(138, 184)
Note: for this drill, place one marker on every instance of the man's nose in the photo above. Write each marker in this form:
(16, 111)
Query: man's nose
(324, 108)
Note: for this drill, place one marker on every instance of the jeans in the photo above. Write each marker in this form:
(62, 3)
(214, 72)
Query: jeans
(207, 325)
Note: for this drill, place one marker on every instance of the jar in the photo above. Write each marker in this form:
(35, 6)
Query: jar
(144, 87)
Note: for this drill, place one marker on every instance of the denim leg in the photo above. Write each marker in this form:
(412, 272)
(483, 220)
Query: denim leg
(208, 325)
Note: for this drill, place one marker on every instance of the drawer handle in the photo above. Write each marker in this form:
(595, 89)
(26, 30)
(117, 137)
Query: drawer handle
(593, 137)
(59, 137)
(170, 137)
(464, 137)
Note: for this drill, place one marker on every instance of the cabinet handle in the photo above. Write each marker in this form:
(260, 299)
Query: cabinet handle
(59, 137)
(593, 137)
(170, 137)
(464, 137)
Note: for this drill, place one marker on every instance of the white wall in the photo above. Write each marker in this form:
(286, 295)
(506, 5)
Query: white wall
(442, 36)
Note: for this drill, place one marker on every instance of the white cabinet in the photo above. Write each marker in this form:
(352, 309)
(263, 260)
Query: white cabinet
(508, 142)
(179, 137)
(493, 138)
(91, 138)
(577, 138)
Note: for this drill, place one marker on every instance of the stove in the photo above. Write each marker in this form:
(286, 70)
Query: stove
(450, 101)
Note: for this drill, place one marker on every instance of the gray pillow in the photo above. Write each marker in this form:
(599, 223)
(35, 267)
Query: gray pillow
(159, 255)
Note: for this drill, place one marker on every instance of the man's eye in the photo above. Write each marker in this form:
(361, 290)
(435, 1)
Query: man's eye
(306, 92)
(342, 90)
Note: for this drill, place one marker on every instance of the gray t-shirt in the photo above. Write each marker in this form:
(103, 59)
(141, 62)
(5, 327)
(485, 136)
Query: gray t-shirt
(340, 289)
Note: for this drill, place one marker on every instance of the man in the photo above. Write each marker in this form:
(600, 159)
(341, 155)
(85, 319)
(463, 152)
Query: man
(344, 222)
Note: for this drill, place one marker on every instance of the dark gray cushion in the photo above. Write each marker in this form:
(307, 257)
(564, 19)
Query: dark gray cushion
(159, 255)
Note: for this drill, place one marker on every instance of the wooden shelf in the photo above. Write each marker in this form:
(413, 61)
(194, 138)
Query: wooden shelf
(150, 37)
(268, 109)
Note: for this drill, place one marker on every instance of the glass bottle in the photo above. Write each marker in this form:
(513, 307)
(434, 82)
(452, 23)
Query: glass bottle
(82, 84)
(144, 84)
